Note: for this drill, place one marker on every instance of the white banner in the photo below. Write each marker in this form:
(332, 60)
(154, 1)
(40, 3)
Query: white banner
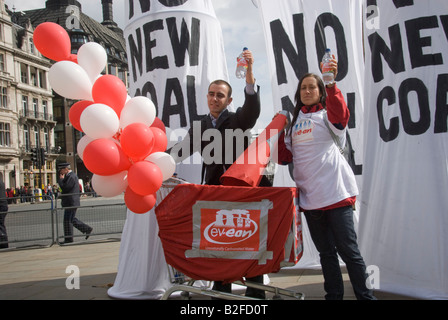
(404, 224)
(175, 50)
(297, 34)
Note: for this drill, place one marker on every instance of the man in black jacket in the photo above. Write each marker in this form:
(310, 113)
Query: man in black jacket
(232, 129)
(221, 137)
(70, 199)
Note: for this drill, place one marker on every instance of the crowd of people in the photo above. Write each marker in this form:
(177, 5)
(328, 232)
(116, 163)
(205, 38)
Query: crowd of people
(28, 194)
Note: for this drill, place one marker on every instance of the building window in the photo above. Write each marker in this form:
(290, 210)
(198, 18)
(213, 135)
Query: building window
(46, 139)
(35, 108)
(2, 62)
(23, 73)
(45, 109)
(31, 46)
(36, 136)
(5, 134)
(33, 75)
(42, 82)
(4, 97)
(26, 137)
(79, 38)
(25, 105)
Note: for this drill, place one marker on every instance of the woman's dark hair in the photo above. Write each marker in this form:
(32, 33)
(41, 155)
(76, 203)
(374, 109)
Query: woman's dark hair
(299, 103)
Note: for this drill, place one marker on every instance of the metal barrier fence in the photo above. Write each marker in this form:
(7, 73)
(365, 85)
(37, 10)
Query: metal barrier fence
(36, 221)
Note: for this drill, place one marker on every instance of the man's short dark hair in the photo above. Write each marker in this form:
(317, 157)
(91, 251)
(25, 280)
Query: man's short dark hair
(220, 82)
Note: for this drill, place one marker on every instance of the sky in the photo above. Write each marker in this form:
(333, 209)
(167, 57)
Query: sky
(241, 25)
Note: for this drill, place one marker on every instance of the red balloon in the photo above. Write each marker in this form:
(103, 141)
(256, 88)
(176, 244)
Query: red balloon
(75, 113)
(52, 41)
(144, 178)
(137, 140)
(158, 124)
(160, 140)
(137, 203)
(73, 58)
(111, 91)
(104, 157)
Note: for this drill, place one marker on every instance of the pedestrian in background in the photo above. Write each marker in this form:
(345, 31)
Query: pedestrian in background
(70, 199)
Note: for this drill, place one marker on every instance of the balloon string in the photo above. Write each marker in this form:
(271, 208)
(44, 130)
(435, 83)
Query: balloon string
(118, 135)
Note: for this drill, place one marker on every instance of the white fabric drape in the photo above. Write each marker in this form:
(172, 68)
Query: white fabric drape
(292, 37)
(142, 269)
(404, 224)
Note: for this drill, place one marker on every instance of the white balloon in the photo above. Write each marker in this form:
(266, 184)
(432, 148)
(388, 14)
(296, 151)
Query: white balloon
(99, 121)
(165, 162)
(93, 59)
(138, 110)
(82, 144)
(110, 186)
(70, 80)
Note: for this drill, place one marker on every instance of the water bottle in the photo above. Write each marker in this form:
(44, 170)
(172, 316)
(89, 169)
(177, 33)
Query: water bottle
(241, 66)
(327, 73)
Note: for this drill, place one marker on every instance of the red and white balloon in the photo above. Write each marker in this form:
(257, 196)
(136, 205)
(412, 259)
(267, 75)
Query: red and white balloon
(125, 142)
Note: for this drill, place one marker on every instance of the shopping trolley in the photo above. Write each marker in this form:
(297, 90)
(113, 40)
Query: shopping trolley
(227, 233)
(236, 230)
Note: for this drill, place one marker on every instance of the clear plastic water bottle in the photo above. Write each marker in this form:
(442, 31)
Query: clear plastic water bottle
(327, 72)
(241, 66)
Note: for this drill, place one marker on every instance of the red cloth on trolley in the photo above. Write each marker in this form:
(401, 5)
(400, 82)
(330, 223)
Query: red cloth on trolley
(225, 233)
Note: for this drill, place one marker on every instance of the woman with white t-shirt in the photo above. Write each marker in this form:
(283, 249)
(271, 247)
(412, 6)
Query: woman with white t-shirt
(326, 183)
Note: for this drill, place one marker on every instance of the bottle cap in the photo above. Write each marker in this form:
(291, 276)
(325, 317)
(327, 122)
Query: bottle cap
(327, 50)
(245, 48)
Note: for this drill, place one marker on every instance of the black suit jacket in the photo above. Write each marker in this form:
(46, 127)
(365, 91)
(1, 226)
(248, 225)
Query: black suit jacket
(70, 190)
(215, 154)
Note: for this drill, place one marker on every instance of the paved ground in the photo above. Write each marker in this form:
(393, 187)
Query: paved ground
(40, 274)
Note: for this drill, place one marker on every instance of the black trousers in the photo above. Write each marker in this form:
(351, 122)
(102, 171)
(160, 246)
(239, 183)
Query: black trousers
(71, 221)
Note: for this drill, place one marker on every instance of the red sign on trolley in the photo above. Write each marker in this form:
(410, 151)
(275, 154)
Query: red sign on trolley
(223, 233)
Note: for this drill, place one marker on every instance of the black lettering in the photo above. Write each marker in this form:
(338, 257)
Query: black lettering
(422, 125)
(372, 3)
(416, 43)
(403, 3)
(156, 62)
(441, 104)
(149, 91)
(191, 97)
(393, 57)
(391, 133)
(287, 105)
(173, 86)
(351, 104)
(172, 3)
(282, 44)
(444, 20)
(136, 54)
(183, 44)
(145, 6)
(330, 20)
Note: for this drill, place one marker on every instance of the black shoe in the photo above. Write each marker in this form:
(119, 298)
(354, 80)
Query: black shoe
(88, 233)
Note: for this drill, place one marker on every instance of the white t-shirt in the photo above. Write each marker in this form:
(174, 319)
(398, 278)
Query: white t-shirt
(321, 172)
